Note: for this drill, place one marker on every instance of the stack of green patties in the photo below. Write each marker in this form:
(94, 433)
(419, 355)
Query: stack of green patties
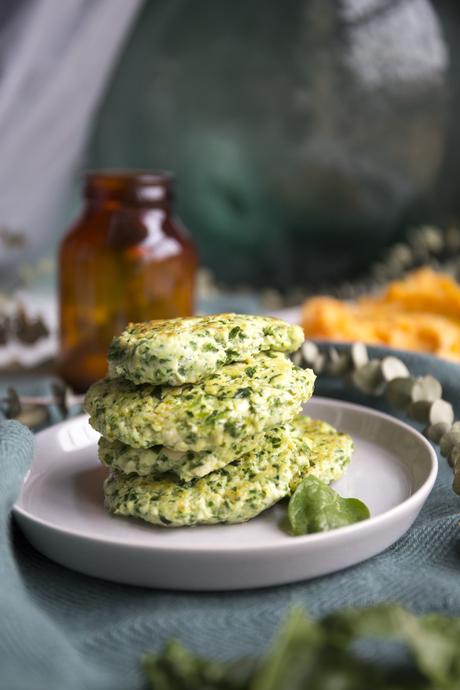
(200, 420)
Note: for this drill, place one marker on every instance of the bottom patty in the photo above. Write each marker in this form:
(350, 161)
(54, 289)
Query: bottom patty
(331, 450)
(240, 490)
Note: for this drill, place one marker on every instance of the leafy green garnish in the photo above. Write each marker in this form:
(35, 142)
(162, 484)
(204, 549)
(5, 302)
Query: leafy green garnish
(177, 669)
(431, 640)
(324, 655)
(316, 507)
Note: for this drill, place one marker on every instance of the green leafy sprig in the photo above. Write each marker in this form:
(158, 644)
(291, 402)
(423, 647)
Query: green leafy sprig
(325, 655)
(34, 410)
(420, 397)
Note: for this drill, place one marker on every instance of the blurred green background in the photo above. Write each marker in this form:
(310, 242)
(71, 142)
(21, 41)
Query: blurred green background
(306, 135)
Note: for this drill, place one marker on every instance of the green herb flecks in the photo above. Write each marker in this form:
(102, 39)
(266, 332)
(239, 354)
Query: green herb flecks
(243, 392)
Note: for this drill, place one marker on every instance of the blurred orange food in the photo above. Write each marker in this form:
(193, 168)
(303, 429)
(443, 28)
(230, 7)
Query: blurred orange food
(420, 312)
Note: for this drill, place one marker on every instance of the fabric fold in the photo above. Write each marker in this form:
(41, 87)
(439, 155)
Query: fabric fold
(34, 654)
(60, 630)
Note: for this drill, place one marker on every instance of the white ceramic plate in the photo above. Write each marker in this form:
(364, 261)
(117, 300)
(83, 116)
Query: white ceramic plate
(61, 512)
(289, 314)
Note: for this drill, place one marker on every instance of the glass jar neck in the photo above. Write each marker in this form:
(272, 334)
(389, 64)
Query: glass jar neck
(114, 189)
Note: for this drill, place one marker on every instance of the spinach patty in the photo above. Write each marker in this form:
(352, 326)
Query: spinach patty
(240, 490)
(240, 399)
(187, 350)
(330, 453)
(235, 493)
(331, 450)
(186, 465)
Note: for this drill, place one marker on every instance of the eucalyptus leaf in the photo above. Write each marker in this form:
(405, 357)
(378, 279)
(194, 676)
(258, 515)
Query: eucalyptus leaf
(426, 388)
(359, 355)
(456, 482)
(33, 416)
(441, 411)
(297, 358)
(338, 363)
(319, 363)
(432, 412)
(448, 441)
(316, 507)
(393, 368)
(368, 378)
(453, 456)
(435, 432)
(399, 391)
(309, 351)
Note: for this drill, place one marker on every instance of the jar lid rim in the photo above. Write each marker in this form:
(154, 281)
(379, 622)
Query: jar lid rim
(139, 175)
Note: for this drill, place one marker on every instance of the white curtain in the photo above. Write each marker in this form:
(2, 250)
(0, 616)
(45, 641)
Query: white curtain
(55, 59)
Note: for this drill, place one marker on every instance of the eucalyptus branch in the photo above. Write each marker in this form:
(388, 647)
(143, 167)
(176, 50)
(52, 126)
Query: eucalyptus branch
(419, 397)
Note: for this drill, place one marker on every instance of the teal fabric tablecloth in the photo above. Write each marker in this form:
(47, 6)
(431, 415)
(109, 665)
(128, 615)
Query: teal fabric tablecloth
(60, 630)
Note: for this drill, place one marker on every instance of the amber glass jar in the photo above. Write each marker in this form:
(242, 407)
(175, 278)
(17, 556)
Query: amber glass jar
(126, 259)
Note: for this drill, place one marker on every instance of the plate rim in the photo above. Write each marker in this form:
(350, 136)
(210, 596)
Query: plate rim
(405, 506)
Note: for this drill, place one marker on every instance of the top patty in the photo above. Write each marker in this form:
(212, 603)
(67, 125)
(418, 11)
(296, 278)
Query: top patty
(239, 399)
(187, 350)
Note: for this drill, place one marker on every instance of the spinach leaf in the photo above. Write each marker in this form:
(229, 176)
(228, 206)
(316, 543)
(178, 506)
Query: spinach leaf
(292, 656)
(432, 640)
(323, 655)
(302, 658)
(316, 507)
(175, 668)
